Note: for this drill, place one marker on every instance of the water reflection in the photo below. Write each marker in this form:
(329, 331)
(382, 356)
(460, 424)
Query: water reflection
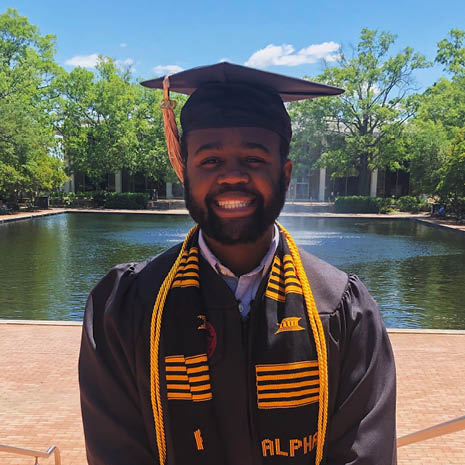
(415, 272)
(48, 265)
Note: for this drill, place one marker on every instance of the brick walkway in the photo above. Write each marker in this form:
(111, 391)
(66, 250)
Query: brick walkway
(39, 400)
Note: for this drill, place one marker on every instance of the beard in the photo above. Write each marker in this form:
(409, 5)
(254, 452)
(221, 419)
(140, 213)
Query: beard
(236, 230)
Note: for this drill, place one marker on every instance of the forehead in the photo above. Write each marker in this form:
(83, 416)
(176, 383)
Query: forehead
(234, 136)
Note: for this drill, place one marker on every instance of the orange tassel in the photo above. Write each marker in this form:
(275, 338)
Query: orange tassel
(171, 131)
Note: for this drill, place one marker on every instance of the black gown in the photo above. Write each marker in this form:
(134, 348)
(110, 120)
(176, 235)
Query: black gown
(114, 368)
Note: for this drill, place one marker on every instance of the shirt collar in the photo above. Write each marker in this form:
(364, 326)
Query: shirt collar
(221, 269)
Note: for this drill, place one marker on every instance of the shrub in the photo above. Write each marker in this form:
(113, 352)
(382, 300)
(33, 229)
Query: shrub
(386, 205)
(409, 203)
(455, 206)
(98, 198)
(358, 204)
(126, 200)
(60, 198)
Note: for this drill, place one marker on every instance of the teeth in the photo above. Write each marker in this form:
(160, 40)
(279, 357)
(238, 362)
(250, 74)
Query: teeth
(231, 204)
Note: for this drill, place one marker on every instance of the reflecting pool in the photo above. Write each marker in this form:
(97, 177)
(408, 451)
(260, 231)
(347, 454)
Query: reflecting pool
(48, 265)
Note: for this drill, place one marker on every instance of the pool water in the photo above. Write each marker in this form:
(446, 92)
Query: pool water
(48, 265)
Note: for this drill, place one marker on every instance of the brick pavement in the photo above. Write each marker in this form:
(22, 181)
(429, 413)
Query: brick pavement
(39, 400)
(431, 390)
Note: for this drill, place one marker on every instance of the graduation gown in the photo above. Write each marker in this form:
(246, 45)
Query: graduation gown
(114, 369)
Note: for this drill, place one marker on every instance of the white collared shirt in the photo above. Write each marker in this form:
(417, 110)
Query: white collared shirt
(245, 286)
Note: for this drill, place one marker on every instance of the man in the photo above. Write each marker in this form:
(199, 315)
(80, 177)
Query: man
(235, 347)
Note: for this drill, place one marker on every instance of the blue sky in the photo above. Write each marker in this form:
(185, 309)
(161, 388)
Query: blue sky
(288, 37)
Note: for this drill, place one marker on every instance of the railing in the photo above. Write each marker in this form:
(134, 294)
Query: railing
(33, 453)
(448, 427)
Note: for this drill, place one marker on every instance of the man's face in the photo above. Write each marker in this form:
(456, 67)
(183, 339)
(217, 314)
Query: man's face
(235, 182)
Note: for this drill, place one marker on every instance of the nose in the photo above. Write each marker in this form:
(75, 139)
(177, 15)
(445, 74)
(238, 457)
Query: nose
(233, 175)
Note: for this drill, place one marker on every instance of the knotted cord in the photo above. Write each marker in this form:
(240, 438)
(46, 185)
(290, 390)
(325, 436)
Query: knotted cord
(320, 344)
(155, 332)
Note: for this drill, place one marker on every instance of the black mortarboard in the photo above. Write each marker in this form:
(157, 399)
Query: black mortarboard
(289, 88)
(228, 95)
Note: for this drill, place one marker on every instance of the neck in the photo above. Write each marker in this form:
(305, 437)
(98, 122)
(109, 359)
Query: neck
(241, 258)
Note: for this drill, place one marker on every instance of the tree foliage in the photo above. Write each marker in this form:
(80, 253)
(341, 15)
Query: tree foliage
(369, 117)
(109, 123)
(451, 52)
(104, 121)
(451, 186)
(434, 136)
(27, 140)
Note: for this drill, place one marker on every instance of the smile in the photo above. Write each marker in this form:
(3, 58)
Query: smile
(233, 204)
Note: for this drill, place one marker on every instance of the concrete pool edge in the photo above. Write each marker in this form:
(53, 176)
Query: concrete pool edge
(79, 323)
(31, 215)
(41, 322)
(57, 211)
(420, 218)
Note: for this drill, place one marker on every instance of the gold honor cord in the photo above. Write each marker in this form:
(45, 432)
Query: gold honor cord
(315, 322)
(320, 343)
(155, 332)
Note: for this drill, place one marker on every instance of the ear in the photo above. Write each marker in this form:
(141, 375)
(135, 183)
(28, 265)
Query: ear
(287, 168)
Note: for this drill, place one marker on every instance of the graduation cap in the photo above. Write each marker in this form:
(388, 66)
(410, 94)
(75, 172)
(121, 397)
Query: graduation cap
(228, 95)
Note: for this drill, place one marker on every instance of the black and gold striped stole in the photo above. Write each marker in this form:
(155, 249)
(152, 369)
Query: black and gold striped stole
(286, 385)
(287, 364)
(283, 279)
(188, 270)
(188, 378)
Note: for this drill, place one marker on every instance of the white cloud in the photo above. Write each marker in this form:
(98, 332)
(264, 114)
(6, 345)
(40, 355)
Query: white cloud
(123, 44)
(126, 62)
(167, 69)
(285, 55)
(86, 61)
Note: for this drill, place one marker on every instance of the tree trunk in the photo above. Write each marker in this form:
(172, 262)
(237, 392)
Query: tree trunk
(363, 178)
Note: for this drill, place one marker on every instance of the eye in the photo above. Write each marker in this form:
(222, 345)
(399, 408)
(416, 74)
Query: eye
(255, 160)
(210, 161)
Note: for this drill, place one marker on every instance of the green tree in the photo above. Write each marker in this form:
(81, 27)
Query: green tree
(27, 64)
(27, 166)
(369, 117)
(151, 152)
(440, 116)
(424, 143)
(27, 140)
(109, 123)
(95, 120)
(451, 186)
(451, 52)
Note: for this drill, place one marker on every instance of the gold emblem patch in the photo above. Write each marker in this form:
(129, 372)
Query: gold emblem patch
(203, 324)
(289, 324)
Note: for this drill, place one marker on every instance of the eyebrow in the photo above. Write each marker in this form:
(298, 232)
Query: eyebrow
(255, 145)
(210, 146)
(244, 145)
